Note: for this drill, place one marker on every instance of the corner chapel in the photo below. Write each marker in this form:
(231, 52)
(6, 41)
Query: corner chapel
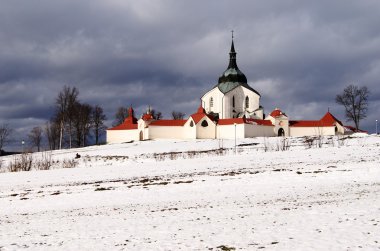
(230, 109)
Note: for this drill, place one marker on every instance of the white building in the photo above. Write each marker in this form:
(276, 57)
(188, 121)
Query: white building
(230, 108)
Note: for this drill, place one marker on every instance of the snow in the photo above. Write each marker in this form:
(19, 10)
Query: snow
(138, 196)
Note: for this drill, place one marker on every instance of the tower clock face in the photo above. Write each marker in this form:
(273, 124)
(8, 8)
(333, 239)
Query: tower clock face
(281, 123)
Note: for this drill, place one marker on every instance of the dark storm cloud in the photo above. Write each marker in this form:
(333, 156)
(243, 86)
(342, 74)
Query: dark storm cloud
(297, 54)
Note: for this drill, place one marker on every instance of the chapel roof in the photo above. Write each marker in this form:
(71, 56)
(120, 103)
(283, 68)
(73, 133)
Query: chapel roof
(232, 77)
(200, 114)
(277, 113)
(327, 120)
(130, 123)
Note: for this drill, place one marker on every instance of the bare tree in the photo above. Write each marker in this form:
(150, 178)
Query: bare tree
(98, 118)
(355, 102)
(120, 115)
(157, 115)
(82, 123)
(5, 132)
(65, 102)
(35, 137)
(52, 131)
(177, 115)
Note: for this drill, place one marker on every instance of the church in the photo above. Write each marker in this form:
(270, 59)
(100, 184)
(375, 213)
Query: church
(230, 109)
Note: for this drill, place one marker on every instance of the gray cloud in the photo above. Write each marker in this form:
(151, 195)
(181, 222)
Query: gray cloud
(297, 54)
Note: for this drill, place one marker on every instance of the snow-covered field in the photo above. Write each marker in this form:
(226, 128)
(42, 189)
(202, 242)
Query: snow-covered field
(187, 195)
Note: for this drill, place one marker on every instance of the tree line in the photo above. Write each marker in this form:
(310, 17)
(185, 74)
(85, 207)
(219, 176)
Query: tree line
(72, 122)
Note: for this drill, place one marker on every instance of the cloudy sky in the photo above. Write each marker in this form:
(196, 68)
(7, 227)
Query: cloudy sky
(298, 54)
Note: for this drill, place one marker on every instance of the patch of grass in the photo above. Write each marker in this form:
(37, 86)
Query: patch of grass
(103, 188)
(225, 248)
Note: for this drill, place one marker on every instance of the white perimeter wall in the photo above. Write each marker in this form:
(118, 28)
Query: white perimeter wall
(259, 131)
(190, 132)
(312, 131)
(166, 132)
(228, 131)
(120, 136)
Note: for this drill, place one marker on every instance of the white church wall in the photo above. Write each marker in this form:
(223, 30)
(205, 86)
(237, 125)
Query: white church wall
(228, 131)
(254, 100)
(120, 136)
(240, 93)
(260, 114)
(166, 132)
(312, 131)
(258, 131)
(217, 96)
(207, 132)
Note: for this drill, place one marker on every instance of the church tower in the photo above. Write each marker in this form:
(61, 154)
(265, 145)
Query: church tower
(232, 97)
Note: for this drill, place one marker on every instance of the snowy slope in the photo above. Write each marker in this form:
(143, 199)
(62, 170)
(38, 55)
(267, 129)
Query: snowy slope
(131, 197)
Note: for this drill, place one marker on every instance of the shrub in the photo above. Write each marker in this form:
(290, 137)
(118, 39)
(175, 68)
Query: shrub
(45, 162)
(21, 162)
(66, 163)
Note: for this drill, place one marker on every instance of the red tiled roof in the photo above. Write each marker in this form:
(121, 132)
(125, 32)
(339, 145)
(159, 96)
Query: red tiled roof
(200, 115)
(167, 122)
(147, 116)
(277, 113)
(328, 118)
(307, 123)
(260, 122)
(124, 126)
(231, 121)
(351, 128)
(129, 123)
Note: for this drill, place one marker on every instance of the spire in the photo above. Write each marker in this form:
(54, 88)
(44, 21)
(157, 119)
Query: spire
(232, 76)
(232, 63)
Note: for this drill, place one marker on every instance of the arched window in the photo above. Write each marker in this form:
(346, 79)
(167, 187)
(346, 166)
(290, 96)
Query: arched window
(191, 124)
(246, 102)
(233, 101)
(204, 123)
(211, 102)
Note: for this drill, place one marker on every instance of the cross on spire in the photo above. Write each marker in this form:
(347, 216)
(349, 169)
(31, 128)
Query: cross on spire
(232, 32)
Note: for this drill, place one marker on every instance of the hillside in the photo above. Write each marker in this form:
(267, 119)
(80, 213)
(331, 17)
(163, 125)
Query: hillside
(190, 195)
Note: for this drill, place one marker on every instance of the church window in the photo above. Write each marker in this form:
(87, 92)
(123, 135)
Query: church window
(233, 101)
(211, 102)
(204, 123)
(246, 102)
(191, 123)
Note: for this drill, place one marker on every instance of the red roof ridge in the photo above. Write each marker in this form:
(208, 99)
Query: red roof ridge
(201, 112)
(231, 121)
(330, 119)
(169, 122)
(260, 121)
(124, 126)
